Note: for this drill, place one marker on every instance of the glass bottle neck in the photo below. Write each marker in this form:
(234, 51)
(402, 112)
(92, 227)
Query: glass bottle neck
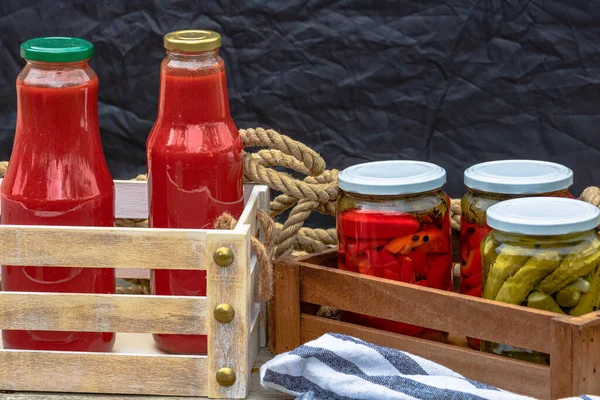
(58, 65)
(193, 88)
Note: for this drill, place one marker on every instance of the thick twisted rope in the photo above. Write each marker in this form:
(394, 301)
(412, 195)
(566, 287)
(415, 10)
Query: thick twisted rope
(317, 191)
(263, 251)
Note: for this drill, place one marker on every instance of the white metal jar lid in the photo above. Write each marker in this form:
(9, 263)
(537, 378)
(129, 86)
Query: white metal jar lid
(518, 177)
(394, 177)
(543, 216)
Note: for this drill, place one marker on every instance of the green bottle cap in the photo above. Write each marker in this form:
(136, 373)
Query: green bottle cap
(57, 49)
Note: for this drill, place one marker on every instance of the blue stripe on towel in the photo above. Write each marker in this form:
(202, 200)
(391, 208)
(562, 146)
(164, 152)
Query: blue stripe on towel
(342, 367)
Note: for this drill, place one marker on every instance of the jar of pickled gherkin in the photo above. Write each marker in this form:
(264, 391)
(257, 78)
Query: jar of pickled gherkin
(393, 222)
(542, 253)
(489, 183)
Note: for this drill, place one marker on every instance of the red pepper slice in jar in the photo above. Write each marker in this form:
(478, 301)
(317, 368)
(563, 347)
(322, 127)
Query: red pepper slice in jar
(473, 265)
(440, 271)
(431, 240)
(381, 259)
(475, 292)
(365, 224)
(406, 271)
(471, 282)
(477, 236)
(419, 264)
(392, 273)
(356, 246)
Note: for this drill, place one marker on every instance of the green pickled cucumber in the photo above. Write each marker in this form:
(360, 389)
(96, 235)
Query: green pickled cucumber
(569, 296)
(508, 262)
(516, 287)
(489, 250)
(590, 300)
(576, 265)
(542, 301)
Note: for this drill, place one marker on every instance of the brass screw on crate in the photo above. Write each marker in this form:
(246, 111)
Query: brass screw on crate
(223, 257)
(226, 376)
(224, 313)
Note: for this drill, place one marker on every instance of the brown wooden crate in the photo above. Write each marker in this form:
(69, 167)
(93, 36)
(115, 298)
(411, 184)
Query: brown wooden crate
(572, 342)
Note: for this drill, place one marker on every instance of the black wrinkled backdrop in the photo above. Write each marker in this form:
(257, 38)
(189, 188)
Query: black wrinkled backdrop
(454, 82)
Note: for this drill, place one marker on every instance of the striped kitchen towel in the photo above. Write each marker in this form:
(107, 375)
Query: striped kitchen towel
(340, 367)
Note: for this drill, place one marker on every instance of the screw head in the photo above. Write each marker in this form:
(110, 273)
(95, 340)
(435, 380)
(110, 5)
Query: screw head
(224, 313)
(226, 376)
(223, 257)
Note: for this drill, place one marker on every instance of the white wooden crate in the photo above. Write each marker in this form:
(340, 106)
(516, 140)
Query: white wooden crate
(135, 366)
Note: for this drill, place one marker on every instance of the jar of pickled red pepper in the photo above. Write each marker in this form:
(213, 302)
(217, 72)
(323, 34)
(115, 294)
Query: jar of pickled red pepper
(393, 222)
(489, 183)
(542, 253)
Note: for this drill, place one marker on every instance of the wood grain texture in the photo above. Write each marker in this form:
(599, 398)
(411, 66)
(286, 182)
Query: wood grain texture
(586, 356)
(131, 199)
(561, 369)
(132, 273)
(228, 344)
(516, 376)
(102, 313)
(327, 258)
(103, 247)
(102, 372)
(446, 311)
(257, 199)
(285, 333)
(254, 339)
(257, 392)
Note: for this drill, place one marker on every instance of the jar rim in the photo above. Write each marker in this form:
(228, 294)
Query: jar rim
(392, 177)
(543, 216)
(518, 177)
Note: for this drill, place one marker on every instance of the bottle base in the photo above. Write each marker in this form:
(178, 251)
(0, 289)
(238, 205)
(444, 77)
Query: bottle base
(182, 344)
(101, 342)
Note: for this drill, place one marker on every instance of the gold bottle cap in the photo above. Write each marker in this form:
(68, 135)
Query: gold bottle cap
(192, 40)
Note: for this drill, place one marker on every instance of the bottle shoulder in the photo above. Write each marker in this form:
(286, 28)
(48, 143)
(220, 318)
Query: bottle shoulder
(216, 136)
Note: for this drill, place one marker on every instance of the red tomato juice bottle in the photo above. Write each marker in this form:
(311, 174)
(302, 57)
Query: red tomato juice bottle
(57, 175)
(194, 155)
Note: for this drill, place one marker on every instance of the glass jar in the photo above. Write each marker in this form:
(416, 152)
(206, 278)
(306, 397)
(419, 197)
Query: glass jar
(57, 175)
(542, 253)
(393, 222)
(194, 156)
(489, 183)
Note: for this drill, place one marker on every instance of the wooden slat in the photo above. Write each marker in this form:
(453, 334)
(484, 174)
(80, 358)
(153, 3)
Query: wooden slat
(254, 202)
(446, 311)
(560, 357)
(76, 372)
(132, 273)
(102, 313)
(103, 247)
(517, 376)
(257, 392)
(586, 356)
(131, 199)
(254, 345)
(286, 308)
(327, 258)
(228, 343)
